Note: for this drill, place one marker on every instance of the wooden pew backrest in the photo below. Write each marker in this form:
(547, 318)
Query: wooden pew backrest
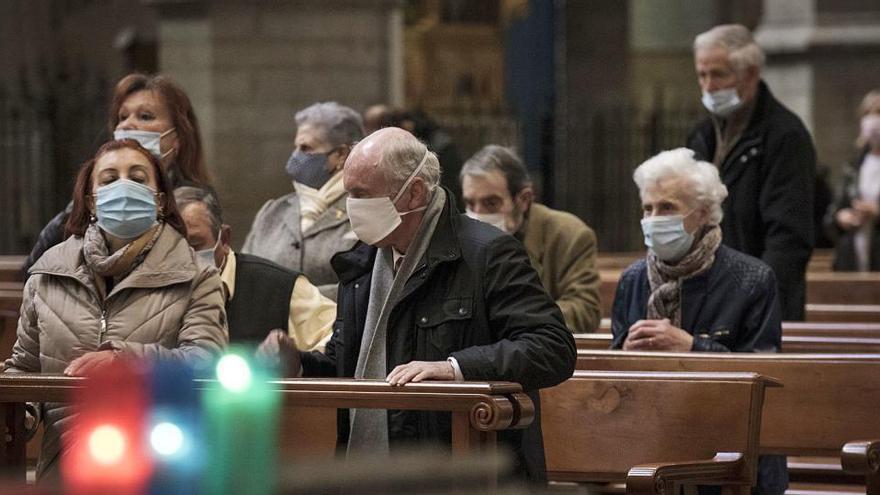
(826, 401)
(598, 425)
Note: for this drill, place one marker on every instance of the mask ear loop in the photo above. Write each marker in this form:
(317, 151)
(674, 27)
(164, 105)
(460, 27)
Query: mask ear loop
(411, 177)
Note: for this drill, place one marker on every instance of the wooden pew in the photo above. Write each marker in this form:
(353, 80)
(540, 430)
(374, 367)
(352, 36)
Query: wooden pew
(655, 431)
(619, 260)
(827, 401)
(843, 312)
(811, 344)
(10, 268)
(808, 329)
(308, 420)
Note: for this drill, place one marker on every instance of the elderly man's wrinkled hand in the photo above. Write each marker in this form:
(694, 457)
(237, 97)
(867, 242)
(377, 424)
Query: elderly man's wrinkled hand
(278, 351)
(657, 335)
(89, 363)
(416, 371)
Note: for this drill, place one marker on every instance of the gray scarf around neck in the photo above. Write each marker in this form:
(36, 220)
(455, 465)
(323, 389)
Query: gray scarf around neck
(369, 427)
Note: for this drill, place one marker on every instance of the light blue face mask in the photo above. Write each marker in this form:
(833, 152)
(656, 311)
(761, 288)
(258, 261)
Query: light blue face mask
(666, 236)
(125, 209)
(722, 102)
(206, 256)
(150, 141)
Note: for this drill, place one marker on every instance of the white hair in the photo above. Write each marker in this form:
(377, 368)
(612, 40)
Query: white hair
(402, 156)
(338, 124)
(742, 50)
(705, 187)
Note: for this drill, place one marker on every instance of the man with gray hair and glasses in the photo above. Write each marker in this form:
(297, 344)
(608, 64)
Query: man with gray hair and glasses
(430, 294)
(765, 156)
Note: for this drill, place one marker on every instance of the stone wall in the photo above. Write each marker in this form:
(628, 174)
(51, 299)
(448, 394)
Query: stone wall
(249, 66)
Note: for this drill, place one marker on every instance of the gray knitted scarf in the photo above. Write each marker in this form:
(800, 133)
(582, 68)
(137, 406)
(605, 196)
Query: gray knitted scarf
(369, 427)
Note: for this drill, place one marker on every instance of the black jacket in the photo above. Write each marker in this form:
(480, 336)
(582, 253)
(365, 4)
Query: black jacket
(474, 297)
(844, 247)
(732, 306)
(770, 174)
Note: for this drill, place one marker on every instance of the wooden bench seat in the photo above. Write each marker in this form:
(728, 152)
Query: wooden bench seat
(828, 402)
(654, 431)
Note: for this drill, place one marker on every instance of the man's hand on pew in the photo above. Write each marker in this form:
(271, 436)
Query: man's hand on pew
(416, 371)
(657, 335)
(278, 351)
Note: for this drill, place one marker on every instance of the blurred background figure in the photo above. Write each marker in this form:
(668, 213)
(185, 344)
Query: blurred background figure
(156, 112)
(420, 125)
(303, 229)
(562, 249)
(853, 218)
(124, 283)
(259, 295)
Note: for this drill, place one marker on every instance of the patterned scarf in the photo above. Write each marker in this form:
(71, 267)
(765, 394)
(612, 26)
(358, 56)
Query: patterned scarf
(665, 279)
(119, 264)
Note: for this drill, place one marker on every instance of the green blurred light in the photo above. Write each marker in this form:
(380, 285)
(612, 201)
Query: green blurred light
(234, 373)
(166, 439)
(107, 444)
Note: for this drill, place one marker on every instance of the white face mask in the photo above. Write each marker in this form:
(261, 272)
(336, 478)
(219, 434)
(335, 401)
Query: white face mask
(149, 140)
(871, 129)
(666, 236)
(373, 219)
(497, 220)
(722, 102)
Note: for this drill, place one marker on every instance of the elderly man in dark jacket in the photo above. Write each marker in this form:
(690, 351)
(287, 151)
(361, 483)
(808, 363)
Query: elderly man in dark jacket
(765, 156)
(430, 294)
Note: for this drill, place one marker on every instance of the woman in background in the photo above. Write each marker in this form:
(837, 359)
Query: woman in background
(156, 112)
(853, 217)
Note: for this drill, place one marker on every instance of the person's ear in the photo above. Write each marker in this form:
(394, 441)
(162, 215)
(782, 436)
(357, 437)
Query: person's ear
(338, 157)
(225, 236)
(418, 193)
(90, 204)
(524, 198)
(160, 202)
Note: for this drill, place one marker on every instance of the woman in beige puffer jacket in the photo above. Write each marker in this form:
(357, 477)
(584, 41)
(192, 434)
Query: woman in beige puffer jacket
(157, 305)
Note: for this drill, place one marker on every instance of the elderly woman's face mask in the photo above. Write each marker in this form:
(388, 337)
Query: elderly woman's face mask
(667, 237)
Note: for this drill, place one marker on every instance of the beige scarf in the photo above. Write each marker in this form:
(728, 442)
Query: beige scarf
(314, 202)
(98, 258)
(665, 279)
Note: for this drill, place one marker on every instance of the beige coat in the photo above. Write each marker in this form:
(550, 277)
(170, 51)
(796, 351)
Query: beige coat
(562, 250)
(167, 308)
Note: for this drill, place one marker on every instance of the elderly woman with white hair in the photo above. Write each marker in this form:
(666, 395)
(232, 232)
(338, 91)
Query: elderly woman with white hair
(691, 293)
(302, 230)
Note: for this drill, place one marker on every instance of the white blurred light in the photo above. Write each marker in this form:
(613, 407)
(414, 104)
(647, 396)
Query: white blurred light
(107, 444)
(166, 439)
(234, 373)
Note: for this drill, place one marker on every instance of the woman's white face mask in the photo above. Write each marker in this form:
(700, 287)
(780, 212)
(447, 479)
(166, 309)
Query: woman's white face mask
(373, 219)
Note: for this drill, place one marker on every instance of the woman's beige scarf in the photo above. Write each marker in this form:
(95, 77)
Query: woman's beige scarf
(665, 279)
(103, 263)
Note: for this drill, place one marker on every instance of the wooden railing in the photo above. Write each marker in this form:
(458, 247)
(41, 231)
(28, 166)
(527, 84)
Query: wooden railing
(478, 409)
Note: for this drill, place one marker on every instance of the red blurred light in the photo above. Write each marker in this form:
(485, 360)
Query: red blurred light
(105, 448)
